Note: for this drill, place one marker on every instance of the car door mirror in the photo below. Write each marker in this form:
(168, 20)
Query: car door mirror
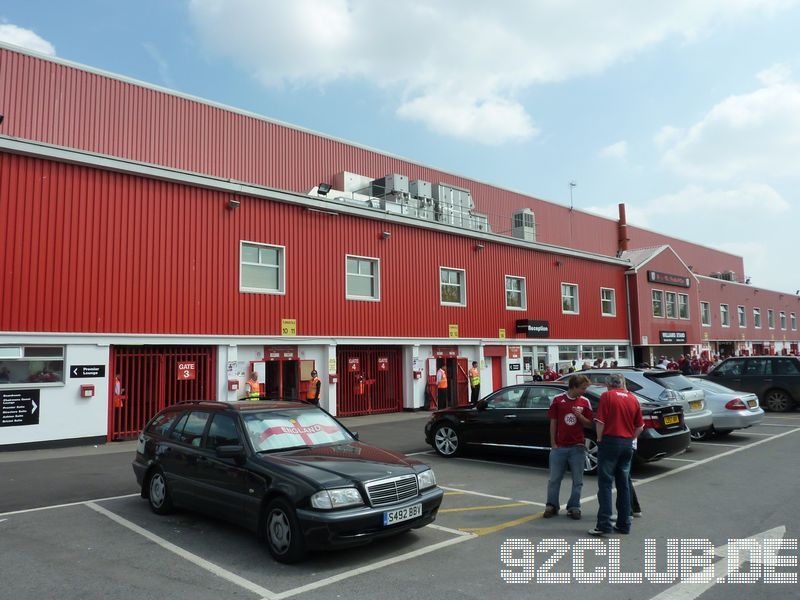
(235, 452)
(355, 435)
(481, 405)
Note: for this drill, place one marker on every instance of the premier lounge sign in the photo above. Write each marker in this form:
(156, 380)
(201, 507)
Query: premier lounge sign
(533, 329)
(667, 279)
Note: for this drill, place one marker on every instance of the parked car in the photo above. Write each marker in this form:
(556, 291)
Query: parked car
(515, 418)
(774, 379)
(729, 409)
(661, 386)
(286, 470)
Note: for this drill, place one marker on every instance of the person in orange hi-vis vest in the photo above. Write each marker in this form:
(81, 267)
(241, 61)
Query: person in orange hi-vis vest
(118, 400)
(253, 387)
(312, 395)
(441, 386)
(474, 382)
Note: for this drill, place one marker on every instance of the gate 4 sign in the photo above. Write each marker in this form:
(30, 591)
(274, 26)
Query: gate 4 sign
(353, 364)
(383, 363)
(187, 370)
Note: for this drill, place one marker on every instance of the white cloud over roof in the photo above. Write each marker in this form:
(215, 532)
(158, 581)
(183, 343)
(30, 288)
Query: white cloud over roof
(19, 36)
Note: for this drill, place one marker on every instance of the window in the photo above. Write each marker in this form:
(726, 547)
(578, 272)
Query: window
(608, 302)
(161, 424)
(658, 303)
(569, 298)
(742, 316)
(705, 314)
(568, 353)
(770, 318)
(510, 398)
(261, 269)
(782, 317)
(757, 318)
(222, 432)
(732, 367)
(785, 366)
(793, 321)
(683, 306)
(452, 289)
(622, 352)
(724, 318)
(190, 429)
(672, 305)
(516, 297)
(38, 365)
(363, 278)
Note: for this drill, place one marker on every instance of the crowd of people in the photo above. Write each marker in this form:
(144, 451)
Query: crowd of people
(689, 364)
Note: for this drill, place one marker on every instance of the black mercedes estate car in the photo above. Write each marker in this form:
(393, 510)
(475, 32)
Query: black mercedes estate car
(286, 470)
(515, 418)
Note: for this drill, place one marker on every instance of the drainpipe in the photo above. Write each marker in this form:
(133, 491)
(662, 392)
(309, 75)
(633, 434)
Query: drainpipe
(630, 323)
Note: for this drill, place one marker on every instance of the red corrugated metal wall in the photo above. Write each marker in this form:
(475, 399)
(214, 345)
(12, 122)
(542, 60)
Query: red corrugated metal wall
(168, 257)
(69, 106)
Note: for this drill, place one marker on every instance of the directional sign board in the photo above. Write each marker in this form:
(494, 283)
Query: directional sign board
(19, 407)
(87, 371)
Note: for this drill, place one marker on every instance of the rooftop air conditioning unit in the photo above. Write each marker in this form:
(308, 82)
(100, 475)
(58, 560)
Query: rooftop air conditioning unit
(729, 275)
(716, 275)
(524, 225)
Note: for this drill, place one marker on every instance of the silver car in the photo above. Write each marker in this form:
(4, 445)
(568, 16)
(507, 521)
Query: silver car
(663, 387)
(729, 409)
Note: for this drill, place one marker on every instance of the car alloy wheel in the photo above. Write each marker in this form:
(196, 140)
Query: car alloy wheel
(158, 494)
(699, 436)
(284, 538)
(590, 461)
(446, 441)
(778, 401)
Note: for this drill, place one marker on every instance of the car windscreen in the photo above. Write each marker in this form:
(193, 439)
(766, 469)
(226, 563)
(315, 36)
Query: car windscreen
(292, 428)
(710, 386)
(671, 380)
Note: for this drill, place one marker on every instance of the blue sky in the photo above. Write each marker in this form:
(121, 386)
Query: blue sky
(687, 111)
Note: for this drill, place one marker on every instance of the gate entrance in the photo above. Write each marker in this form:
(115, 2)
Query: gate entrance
(149, 380)
(370, 380)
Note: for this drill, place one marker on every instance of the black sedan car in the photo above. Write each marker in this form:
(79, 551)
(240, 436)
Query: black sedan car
(286, 470)
(515, 418)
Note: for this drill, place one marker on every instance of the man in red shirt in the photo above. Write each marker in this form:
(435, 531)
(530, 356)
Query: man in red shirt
(619, 422)
(549, 374)
(569, 413)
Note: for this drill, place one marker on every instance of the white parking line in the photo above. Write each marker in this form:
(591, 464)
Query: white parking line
(462, 537)
(452, 489)
(754, 433)
(185, 554)
(776, 425)
(714, 444)
(418, 453)
(681, 460)
(52, 506)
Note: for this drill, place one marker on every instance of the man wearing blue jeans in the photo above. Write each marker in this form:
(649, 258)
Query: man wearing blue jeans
(619, 422)
(569, 414)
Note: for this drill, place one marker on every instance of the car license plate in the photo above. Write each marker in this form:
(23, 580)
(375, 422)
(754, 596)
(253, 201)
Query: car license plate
(752, 403)
(390, 517)
(671, 419)
(696, 405)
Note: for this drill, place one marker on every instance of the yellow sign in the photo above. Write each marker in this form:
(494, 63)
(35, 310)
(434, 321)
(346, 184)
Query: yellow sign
(288, 326)
(501, 333)
(453, 330)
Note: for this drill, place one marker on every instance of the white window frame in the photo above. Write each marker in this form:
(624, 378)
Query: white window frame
(376, 277)
(741, 315)
(782, 320)
(725, 316)
(757, 317)
(577, 310)
(793, 321)
(653, 304)
(462, 286)
(705, 314)
(281, 266)
(26, 354)
(523, 292)
(770, 318)
(674, 296)
(685, 302)
(613, 301)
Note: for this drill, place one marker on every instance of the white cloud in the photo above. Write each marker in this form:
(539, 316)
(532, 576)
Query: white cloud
(26, 38)
(435, 55)
(161, 63)
(619, 150)
(754, 135)
(666, 135)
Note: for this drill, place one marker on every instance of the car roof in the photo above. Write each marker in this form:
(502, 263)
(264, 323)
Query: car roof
(245, 405)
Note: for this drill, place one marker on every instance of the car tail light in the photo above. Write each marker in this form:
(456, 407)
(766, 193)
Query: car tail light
(736, 404)
(652, 421)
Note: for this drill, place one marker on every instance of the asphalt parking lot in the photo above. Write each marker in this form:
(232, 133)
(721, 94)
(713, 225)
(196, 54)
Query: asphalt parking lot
(115, 547)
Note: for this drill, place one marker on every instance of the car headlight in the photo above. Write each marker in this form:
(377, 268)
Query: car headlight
(426, 479)
(337, 498)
